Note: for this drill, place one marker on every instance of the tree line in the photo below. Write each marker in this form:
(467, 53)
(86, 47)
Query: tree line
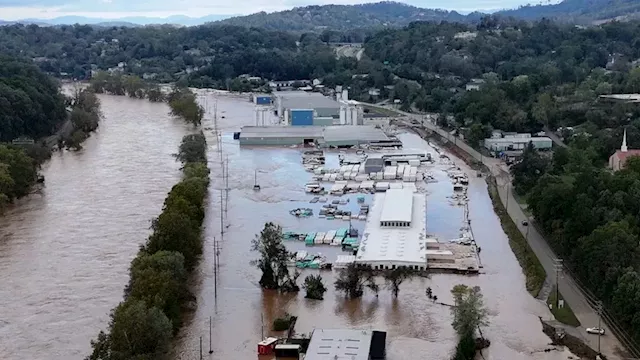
(32, 108)
(181, 100)
(590, 217)
(142, 326)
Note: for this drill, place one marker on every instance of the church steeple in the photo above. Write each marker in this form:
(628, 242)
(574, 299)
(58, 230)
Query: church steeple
(623, 148)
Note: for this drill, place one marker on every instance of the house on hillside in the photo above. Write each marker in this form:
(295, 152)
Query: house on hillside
(618, 160)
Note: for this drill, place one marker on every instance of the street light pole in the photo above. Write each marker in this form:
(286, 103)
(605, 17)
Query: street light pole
(599, 308)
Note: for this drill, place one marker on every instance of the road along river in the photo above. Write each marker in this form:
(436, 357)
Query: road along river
(65, 254)
(415, 325)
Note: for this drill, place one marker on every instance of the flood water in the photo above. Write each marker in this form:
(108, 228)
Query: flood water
(241, 311)
(65, 254)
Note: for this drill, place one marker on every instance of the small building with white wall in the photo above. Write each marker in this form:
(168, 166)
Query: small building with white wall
(516, 141)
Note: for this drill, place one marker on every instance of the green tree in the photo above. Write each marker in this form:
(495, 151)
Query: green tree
(469, 312)
(139, 331)
(175, 231)
(394, 278)
(273, 256)
(315, 287)
(353, 279)
(528, 170)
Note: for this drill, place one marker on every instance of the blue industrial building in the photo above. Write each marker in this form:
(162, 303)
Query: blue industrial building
(300, 117)
(262, 99)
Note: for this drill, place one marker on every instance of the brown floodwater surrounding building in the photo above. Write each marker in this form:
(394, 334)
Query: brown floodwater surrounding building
(65, 253)
(241, 311)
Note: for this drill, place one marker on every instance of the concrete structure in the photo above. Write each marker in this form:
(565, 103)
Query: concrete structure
(346, 344)
(516, 142)
(387, 242)
(618, 160)
(320, 104)
(336, 136)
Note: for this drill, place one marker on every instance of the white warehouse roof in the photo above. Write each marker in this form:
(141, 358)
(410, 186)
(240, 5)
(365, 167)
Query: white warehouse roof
(399, 246)
(329, 344)
(397, 205)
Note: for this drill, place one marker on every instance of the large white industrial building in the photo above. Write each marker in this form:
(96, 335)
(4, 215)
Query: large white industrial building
(395, 232)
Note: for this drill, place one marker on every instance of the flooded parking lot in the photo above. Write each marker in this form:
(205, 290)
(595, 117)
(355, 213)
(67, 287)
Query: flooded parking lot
(415, 324)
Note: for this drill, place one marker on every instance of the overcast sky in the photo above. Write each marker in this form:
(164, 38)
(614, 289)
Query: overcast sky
(20, 9)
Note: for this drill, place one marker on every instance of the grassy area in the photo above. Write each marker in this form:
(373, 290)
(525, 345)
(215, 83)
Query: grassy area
(531, 266)
(565, 315)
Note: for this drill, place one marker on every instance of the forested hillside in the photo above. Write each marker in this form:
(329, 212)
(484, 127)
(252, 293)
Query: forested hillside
(343, 17)
(165, 53)
(30, 103)
(578, 11)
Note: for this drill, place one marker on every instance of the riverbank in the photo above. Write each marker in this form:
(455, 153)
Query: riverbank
(531, 266)
(156, 298)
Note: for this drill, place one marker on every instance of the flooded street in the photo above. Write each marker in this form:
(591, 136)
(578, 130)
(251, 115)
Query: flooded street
(65, 254)
(415, 324)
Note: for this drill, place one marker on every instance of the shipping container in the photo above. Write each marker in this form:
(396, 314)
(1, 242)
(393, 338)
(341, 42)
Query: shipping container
(301, 117)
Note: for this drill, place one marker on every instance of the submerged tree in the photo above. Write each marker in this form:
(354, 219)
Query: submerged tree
(353, 280)
(315, 287)
(469, 312)
(396, 277)
(273, 257)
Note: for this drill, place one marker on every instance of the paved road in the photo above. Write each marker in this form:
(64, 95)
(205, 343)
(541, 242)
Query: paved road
(584, 311)
(556, 140)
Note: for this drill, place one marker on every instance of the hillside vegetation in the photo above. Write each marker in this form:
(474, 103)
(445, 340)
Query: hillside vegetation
(393, 14)
(343, 17)
(579, 11)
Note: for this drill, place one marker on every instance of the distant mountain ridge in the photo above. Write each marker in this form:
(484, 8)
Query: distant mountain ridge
(579, 11)
(132, 21)
(342, 17)
(371, 15)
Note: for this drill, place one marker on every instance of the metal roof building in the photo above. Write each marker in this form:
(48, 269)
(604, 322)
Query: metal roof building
(345, 135)
(390, 243)
(350, 135)
(325, 106)
(346, 344)
(280, 135)
(397, 208)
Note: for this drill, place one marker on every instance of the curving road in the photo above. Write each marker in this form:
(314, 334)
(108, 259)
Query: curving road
(582, 304)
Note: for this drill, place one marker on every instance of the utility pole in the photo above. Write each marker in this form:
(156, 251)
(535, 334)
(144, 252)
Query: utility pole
(507, 200)
(527, 234)
(599, 309)
(221, 215)
(200, 347)
(210, 348)
(558, 267)
(215, 267)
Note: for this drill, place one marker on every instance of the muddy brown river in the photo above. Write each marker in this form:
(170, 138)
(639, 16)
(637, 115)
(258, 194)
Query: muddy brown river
(64, 254)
